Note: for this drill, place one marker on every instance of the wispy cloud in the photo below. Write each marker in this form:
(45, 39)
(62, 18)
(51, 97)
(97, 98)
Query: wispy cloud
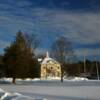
(51, 19)
(88, 53)
(84, 26)
(3, 44)
(23, 3)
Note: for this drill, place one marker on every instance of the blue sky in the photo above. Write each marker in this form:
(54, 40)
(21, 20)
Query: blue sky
(78, 20)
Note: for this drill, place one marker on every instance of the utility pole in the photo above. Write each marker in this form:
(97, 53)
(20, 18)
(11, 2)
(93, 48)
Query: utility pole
(85, 53)
(97, 70)
(84, 64)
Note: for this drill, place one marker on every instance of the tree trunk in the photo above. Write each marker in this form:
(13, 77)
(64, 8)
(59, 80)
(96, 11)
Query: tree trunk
(61, 74)
(61, 79)
(14, 80)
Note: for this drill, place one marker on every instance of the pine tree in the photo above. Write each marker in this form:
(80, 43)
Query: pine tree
(2, 68)
(19, 59)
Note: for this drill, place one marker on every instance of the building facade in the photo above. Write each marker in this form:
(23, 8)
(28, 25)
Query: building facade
(50, 68)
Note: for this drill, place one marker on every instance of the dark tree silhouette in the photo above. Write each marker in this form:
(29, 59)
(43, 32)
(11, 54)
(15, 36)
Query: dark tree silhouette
(32, 41)
(19, 59)
(2, 68)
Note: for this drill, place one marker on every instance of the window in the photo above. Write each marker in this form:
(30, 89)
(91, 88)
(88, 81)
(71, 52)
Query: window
(51, 67)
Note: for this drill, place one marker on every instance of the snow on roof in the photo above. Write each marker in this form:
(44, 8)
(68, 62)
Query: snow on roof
(47, 59)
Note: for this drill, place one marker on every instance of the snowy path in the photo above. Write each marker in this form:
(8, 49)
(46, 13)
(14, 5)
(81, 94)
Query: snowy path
(58, 91)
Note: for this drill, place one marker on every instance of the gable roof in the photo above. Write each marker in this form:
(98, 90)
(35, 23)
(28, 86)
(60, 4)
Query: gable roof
(47, 59)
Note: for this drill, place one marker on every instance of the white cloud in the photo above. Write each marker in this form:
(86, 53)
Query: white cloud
(23, 3)
(40, 51)
(87, 52)
(81, 26)
(5, 6)
(75, 25)
(4, 44)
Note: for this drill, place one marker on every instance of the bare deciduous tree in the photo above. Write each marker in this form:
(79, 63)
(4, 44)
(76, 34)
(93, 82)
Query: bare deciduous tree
(62, 51)
(32, 41)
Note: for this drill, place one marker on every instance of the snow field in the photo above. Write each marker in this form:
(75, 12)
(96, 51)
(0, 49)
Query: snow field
(36, 89)
(15, 96)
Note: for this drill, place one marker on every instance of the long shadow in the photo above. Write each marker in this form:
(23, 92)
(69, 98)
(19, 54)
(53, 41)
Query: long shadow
(54, 97)
(5, 82)
(54, 83)
(58, 83)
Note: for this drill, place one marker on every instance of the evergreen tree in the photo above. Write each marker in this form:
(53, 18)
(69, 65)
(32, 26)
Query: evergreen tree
(2, 68)
(19, 59)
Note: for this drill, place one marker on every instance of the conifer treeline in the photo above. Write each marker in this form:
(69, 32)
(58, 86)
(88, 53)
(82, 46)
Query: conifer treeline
(77, 69)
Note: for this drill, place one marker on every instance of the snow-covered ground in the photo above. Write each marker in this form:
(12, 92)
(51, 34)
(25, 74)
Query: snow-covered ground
(74, 89)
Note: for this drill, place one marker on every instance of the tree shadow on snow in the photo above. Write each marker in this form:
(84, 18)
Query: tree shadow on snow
(54, 97)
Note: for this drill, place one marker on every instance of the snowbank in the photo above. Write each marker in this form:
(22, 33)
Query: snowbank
(5, 80)
(15, 96)
(79, 79)
(49, 79)
(1, 92)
